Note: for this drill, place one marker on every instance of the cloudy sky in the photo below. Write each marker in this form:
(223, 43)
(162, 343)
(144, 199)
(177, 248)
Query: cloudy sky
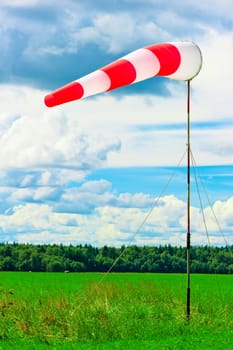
(90, 171)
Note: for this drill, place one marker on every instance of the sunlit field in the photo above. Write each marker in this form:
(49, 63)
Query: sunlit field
(114, 311)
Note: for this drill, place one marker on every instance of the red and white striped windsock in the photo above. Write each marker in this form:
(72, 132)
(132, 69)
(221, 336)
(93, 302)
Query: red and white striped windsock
(178, 60)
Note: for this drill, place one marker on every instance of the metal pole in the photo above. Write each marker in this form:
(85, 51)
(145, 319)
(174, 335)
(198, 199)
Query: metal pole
(188, 200)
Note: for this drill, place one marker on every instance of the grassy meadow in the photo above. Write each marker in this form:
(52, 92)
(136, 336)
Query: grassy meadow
(115, 311)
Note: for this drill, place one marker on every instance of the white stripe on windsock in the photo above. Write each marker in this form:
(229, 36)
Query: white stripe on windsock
(191, 61)
(94, 83)
(145, 63)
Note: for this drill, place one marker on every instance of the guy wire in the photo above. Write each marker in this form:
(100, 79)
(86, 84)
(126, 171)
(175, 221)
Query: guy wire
(210, 204)
(204, 219)
(145, 219)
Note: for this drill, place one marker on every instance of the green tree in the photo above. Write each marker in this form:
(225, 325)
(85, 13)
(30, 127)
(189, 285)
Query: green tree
(7, 264)
(55, 265)
(36, 262)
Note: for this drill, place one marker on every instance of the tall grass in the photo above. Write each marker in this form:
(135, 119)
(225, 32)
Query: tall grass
(140, 309)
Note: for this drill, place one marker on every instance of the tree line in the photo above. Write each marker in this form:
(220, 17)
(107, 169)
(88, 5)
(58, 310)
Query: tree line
(86, 258)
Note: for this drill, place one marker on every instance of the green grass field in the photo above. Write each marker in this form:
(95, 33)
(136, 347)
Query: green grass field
(132, 311)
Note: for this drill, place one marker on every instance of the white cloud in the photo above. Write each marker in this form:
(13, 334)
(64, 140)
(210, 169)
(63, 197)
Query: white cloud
(97, 187)
(51, 139)
(113, 225)
(109, 234)
(99, 194)
(214, 7)
(45, 237)
(26, 218)
(45, 177)
(108, 30)
(223, 211)
(19, 3)
(214, 84)
(62, 176)
(27, 180)
(21, 194)
(137, 200)
(111, 28)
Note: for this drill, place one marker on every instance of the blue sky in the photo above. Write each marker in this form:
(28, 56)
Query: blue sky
(89, 171)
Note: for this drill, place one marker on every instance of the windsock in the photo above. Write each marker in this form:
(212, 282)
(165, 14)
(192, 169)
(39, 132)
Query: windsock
(177, 60)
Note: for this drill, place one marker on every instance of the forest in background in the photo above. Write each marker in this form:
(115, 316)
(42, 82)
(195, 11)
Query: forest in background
(86, 258)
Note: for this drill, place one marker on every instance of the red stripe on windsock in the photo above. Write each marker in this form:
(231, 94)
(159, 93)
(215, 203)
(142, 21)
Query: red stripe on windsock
(121, 73)
(168, 56)
(68, 93)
